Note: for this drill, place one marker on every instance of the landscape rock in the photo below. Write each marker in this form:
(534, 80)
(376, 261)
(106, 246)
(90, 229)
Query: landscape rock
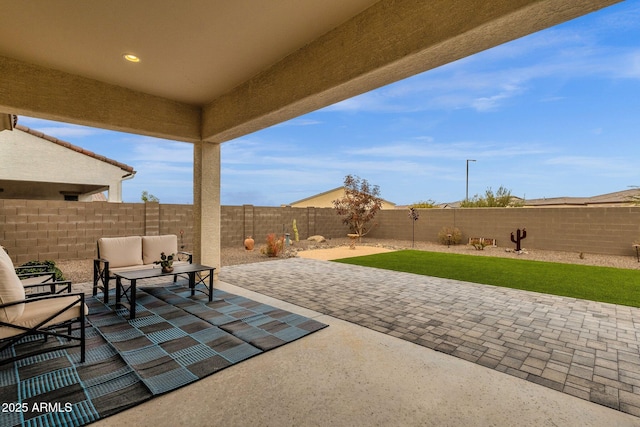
(317, 238)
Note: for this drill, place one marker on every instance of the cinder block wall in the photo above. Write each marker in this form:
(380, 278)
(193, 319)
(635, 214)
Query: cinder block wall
(58, 230)
(232, 225)
(238, 222)
(40, 230)
(607, 230)
(178, 220)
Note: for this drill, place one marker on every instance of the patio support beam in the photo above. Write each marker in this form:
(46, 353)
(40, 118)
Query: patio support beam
(206, 204)
(32, 90)
(389, 41)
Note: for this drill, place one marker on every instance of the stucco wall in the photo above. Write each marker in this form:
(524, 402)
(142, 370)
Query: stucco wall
(56, 230)
(39, 169)
(325, 200)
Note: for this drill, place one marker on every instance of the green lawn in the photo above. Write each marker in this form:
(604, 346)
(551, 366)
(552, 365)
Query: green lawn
(605, 284)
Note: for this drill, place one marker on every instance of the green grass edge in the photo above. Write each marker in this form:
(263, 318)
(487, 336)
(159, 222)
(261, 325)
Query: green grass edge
(602, 284)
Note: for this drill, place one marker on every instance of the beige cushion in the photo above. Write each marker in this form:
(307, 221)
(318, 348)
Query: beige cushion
(121, 251)
(4, 256)
(37, 311)
(11, 290)
(153, 246)
(28, 280)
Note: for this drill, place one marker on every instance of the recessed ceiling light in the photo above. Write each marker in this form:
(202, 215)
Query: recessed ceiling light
(131, 57)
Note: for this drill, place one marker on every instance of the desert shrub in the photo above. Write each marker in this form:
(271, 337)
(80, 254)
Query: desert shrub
(48, 266)
(480, 245)
(443, 235)
(274, 245)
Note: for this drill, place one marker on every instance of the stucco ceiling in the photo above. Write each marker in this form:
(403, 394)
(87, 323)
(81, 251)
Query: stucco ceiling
(191, 51)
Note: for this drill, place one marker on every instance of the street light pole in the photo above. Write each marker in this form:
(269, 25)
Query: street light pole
(467, 193)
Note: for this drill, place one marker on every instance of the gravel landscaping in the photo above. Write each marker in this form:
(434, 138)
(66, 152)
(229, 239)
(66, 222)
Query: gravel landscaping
(79, 271)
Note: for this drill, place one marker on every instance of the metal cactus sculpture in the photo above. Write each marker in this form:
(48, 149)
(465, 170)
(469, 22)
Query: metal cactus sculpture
(518, 238)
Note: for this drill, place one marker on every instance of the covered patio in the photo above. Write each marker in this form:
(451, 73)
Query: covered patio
(208, 72)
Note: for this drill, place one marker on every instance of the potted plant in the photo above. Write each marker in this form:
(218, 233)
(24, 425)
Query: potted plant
(166, 262)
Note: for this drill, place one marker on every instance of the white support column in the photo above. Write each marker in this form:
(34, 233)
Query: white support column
(115, 192)
(206, 204)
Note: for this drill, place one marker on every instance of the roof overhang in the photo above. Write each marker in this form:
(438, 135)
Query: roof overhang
(14, 189)
(216, 70)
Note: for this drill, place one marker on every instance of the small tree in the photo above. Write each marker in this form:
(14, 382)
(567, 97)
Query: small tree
(359, 205)
(148, 197)
(414, 215)
(501, 199)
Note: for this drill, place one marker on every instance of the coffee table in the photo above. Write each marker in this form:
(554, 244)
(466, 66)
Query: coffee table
(191, 270)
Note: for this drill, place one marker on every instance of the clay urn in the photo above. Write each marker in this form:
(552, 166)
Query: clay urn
(249, 243)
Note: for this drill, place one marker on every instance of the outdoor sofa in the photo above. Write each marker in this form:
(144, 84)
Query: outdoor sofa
(118, 254)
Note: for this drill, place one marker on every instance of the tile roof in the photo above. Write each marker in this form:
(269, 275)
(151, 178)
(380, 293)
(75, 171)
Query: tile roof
(75, 148)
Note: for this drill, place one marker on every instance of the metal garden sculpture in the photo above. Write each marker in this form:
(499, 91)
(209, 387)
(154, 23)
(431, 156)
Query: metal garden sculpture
(518, 238)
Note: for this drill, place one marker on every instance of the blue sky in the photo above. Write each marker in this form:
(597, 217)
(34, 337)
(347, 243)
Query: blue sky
(553, 114)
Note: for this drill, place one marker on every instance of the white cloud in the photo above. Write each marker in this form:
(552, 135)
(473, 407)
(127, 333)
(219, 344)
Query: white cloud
(300, 122)
(626, 19)
(164, 168)
(601, 166)
(251, 150)
(167, 152)
(454, 150)
(630, 66)
(483, 81)
(370, 101)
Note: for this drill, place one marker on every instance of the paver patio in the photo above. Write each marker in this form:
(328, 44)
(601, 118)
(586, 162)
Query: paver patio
(586, 349)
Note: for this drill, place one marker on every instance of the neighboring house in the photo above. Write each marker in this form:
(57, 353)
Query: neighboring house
(324, 200)
(618, 198)
(36, 166)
